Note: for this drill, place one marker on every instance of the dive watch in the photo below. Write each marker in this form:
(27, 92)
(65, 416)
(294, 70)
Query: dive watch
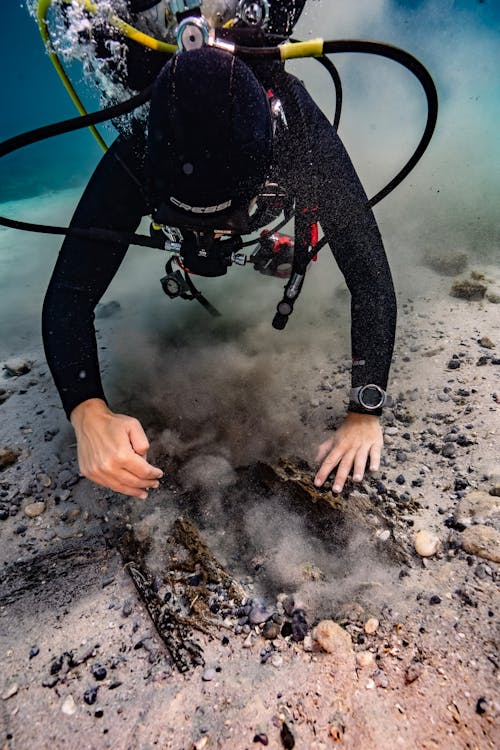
(369, 397)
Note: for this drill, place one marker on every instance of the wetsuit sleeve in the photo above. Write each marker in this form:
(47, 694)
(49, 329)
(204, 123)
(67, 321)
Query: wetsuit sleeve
(352, 233)
(113, 199)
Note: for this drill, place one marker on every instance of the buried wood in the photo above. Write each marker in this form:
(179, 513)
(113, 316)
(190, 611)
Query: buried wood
(178, 601)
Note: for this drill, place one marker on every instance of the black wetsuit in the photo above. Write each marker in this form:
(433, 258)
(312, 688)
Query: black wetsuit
(115, 198)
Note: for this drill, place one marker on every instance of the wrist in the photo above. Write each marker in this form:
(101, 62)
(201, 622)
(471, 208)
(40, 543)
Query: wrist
(91, 407)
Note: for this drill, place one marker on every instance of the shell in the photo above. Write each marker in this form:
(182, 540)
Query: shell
(426, 543)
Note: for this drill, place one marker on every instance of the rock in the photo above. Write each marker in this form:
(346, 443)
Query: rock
(365, 659)
(299, 625)
(209, 675)
(449, 450)
(371, 626)
(478, 508)
(453, 364)
(34, 509)
(261, 738)
(8, 456)
(68, 707)
(332, 638)
(413, 672)
(271, 630)
(380, 679)
(486, 342)
(483, 541)
(259, 614)
(426, 543)
(17, 366)
(4, 395)
(470, 290)
(277, 660)
(10, 691)
(90, 695)
(494, 298)
(98, 672)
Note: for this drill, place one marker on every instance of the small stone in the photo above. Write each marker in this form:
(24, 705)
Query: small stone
(128, 607)
(34, 651)
(277, 660)
(32, 510)
(493, 298)
(481, 705)
(380, 679)
(365, 659)
(486, 342)
(17, 366)
(426, 543)
(384, 535)
(299, 625)
(98, 672)
(10, 691)
(483, 541)
(413, 672)
(8, 456)
(453, 364)
(90, 696)
(271, 630)
(209, 675)
(259, 614)
(68, 707)
(449, 450)
(470, 290)
(261, 738)
(478, 507)
(371, 626)
(435, 599)
(400, 479)
(331, 637)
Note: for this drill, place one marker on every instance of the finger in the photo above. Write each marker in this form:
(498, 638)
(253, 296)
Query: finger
(138, 438)
(359, 465)
(375, 452)
(128, 479)
(121, 488)
(342, 473)
(323, 450)
(327, 466)
(139, 467)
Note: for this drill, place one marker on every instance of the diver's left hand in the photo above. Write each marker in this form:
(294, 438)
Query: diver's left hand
(358, 438)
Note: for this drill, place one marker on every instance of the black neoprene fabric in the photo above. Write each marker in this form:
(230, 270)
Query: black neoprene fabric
(115, 199)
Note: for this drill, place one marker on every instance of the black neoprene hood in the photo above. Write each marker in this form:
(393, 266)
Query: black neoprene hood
(210, 132)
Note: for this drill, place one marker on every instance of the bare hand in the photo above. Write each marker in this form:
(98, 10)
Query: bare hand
(112, 449)
(358, 438)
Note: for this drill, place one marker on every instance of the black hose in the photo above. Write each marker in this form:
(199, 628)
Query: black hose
(330, 67)
(67, 126)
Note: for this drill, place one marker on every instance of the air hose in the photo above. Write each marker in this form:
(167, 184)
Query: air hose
(292, 50)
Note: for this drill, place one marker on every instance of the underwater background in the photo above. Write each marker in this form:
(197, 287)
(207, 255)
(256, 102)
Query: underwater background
(449, 201)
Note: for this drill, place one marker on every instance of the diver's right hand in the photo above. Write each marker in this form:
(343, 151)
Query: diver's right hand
(112, 449)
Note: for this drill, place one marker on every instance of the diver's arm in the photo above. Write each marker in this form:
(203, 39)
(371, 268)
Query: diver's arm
(356, 243)
(111, 447)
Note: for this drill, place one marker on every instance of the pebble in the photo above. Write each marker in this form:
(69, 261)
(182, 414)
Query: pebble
(271, 630)
(426, 543)
(277, 660)
(486, 342)
(365, 659)
(299, 625)
(449, 450)
(384, 535)
(10, 691)
(259, 614)
(435, 599)
(90, 695)
(481, 705)
(478, 507)
(34, 651)
(453, 364)
(483, 541)
(209, 674)
(331, 637)
(98, 672)
(380, 679)
(69, 706)
(8, 456)
(371, 626)
(32, 510)
(17, 366)
(261, 738)
(413, 672)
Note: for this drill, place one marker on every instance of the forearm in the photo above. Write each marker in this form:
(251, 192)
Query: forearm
(84, 270)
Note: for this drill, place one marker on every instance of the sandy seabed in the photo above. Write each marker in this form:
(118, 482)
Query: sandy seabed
(427, 677)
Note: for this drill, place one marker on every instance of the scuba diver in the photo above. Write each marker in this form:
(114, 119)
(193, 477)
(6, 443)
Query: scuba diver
(231, 144)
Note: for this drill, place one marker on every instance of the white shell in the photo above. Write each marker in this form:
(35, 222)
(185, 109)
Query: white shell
(426, 543)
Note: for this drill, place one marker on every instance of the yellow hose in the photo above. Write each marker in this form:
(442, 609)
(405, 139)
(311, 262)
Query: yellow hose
(311, 48)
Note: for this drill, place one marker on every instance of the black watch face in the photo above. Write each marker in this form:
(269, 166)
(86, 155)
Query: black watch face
(370, 397)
